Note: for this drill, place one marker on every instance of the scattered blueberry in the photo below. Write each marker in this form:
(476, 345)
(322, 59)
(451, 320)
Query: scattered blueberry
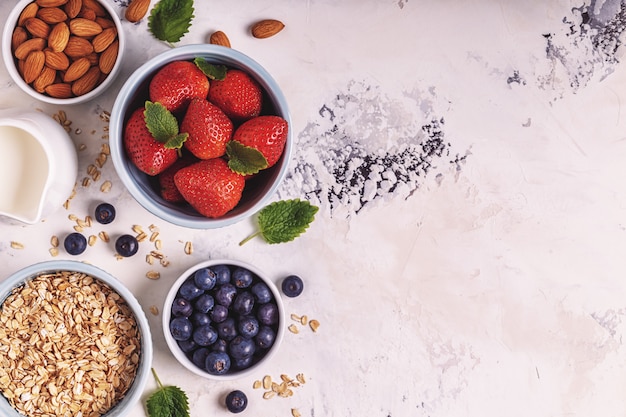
(222, 273)
(181, 307)
(242, 278)
(236, 401)
(292, 286)
(105, 213)
(181, 328)
(261, 292)
(205, 279)
(75, 243)
(217, 363)
(126, 245)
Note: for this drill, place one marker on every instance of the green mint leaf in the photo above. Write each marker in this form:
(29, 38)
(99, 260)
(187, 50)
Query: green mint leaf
(176, 142)
(212, 71)
(169, 401)
(283, 221)
(244, 160)
(162, 124)
(170, 20)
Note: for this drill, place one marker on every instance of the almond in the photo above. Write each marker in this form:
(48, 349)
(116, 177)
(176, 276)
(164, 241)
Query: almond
(219, 38)
(19, 37)
(51, 3)
(28, 12)
(93, 58)
(84, 27)
(59, 90)
(76, 70)
(266, 28)
(52, 15)
(33, 65)
(37, 27)
(59, 37)
(95, 6)
(78, 47)
(26, 47)
(104, 22)
(108, 58)
(57, 60)
(104, 39)
(87, 82)
(73, 7)
(137, 10)
(46, 78)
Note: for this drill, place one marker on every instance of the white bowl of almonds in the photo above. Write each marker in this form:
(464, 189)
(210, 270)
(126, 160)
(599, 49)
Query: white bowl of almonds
(63, 51)
(74, 341)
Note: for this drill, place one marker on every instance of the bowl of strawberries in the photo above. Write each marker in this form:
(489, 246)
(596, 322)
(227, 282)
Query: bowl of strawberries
(201, 136)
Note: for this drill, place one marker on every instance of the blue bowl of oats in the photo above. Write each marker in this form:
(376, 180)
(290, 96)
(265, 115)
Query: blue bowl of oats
(74, 341)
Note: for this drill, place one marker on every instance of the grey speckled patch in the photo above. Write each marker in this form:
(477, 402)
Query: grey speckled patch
(364, 147)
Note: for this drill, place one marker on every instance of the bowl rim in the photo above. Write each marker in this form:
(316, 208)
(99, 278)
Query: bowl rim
(135, 392)
(186, 52)
(182, 358)
(9, 60)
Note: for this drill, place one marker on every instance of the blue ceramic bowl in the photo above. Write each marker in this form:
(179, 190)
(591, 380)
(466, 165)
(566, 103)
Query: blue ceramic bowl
(134, 93)
(134, 393)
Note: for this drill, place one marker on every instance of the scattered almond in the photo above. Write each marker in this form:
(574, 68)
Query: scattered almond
(137, 10)
(266, 28)
(219, 38)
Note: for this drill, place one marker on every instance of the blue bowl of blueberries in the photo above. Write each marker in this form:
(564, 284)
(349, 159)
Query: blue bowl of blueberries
(222, 319)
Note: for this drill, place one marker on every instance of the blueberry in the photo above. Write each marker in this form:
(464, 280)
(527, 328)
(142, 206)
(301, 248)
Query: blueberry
(222, 273)
(292, 286)
(181, 307)
(187, 346)
(227, 329)
(204, 303)
(265, 337)
(219, 313)
(248, 326)
(199, 357)
(242, 278)
(242, 363)
(126, 245)
(236, 401)
(217, 363)
(220, 345)
(189, 291)
(241, 347)
(205, 279)
(75, 243)
(225, 294)
(180, 328)
(243, 303)
(267, 314)
(261, 292)
(200, 319)
(204, 335)
(105, 213)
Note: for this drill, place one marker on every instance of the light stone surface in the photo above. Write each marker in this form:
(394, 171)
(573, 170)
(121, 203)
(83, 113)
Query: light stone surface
(468, 162)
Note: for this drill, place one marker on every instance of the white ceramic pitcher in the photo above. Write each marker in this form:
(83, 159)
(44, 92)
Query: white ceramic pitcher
(38, 165)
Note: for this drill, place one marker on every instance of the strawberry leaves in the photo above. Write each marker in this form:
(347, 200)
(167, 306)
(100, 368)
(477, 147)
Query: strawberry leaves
(283, 221)
(170, 20)
(244, 160)
(163, 126)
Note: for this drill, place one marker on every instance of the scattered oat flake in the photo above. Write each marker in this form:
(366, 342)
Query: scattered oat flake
(158, 244)
(106, 186)
(153, 275)
(188, 248)
(92, 240)
(314, 325)
(154, 310)
(54, 241)
(267, 382)
(300, 378)
(17, 245)
(54, 251)
(268, 394)
(295, 317)
(295, 412)
(257, 384)
(304, 320)
(104, 236)
(293, 329)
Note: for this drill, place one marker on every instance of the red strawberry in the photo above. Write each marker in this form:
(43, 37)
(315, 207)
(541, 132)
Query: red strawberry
(208, 127)
(176, 83)
(148, 155)
(267, 134)
(169, 191)
(210, 186)
(238, 95)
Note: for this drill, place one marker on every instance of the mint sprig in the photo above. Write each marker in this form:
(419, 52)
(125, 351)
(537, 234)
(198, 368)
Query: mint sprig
(212, 71)
(283, 221)
(170, 20)
(163, 125)
(244, 160)
(167, 401)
